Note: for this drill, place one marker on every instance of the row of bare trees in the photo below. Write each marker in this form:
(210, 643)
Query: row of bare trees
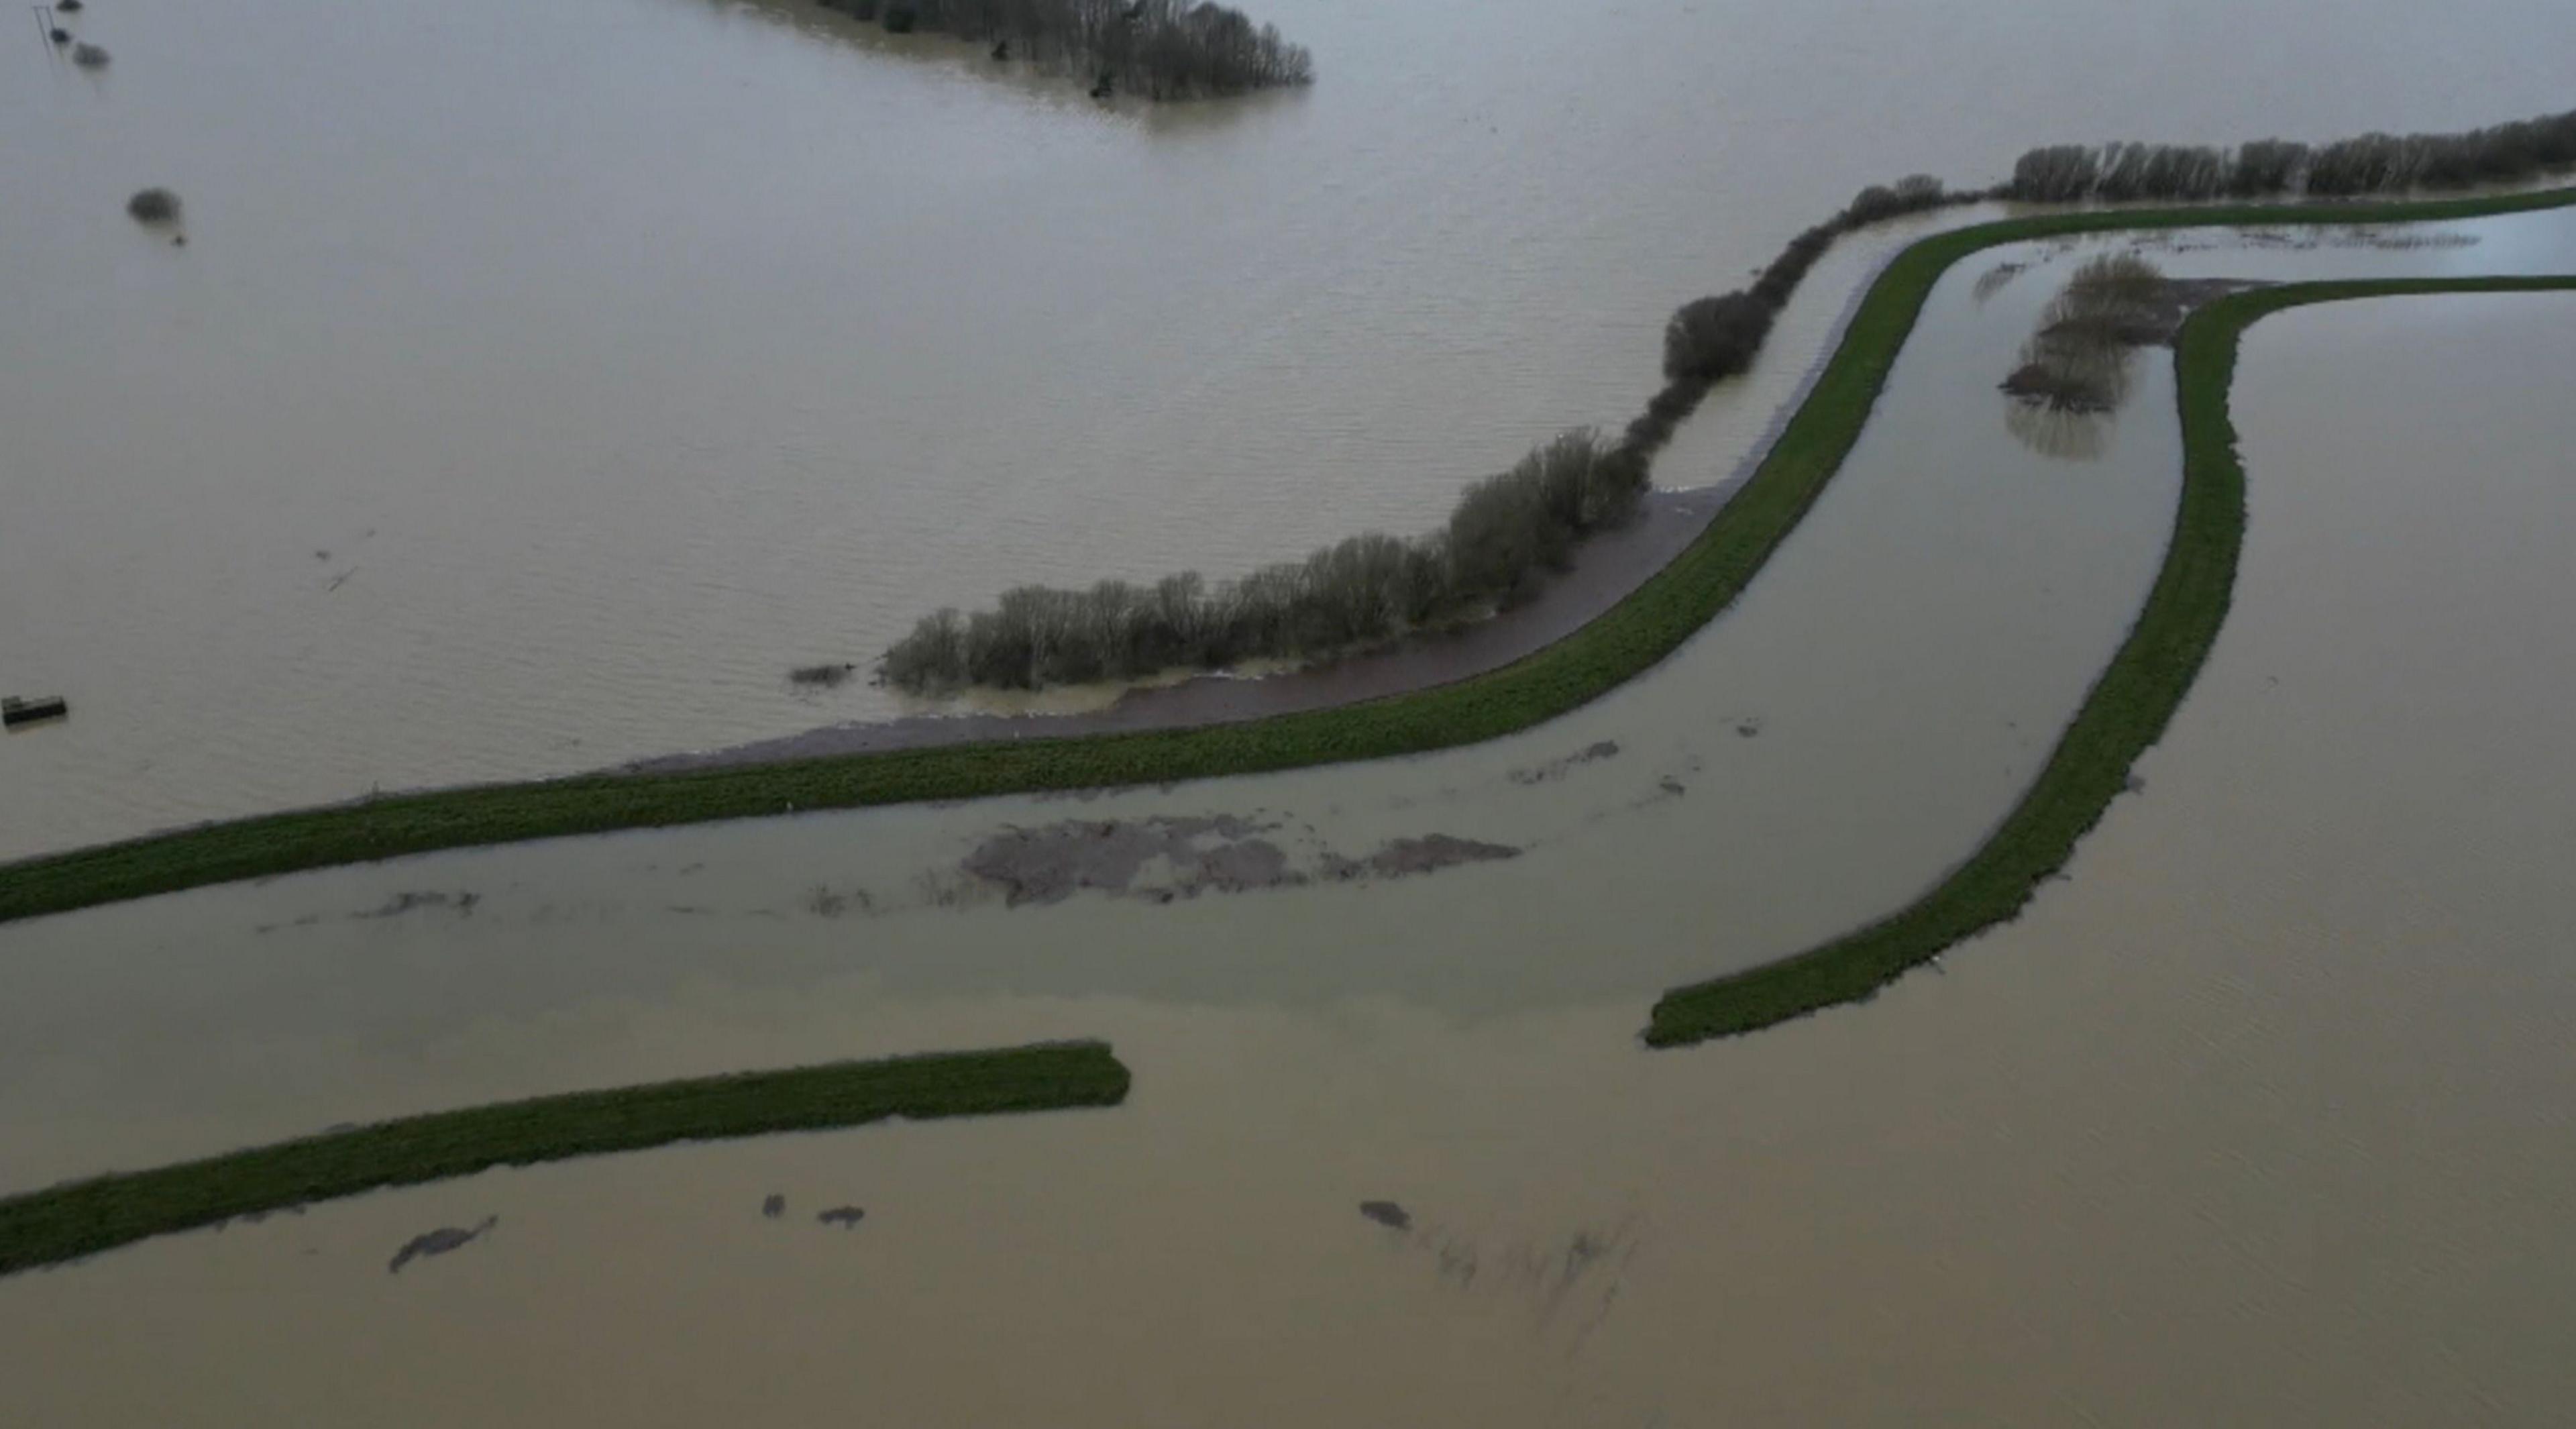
(1506, 535)
(1507, 531)
(1163, 49)
(2370, 164)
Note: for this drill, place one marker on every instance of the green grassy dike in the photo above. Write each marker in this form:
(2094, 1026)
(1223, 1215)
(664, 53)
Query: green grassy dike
(1623, 643)
(2123, 716)
(85, 1217)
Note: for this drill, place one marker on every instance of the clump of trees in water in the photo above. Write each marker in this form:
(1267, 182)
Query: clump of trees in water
(1507, 531)
(2078, 360)
(154, 206)
(2369, 164)
(1162, 49)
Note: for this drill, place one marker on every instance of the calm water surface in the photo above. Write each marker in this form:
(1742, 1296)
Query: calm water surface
(2260, 1119)
(540, 383)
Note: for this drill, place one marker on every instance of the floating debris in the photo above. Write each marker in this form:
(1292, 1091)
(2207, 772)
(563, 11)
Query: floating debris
(154, 206)
(843, 1216)
(16, 712)
(439, 1242)
(1405, 858)
(1557, 768)
(821, 677)
(407, 902)
(1387, 1213)
(89, 57)
(774, 1207)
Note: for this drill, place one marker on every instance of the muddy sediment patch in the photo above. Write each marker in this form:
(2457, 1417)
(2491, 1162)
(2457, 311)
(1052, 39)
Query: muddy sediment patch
(1169, 857)
(1411, 857)
(1051, 863)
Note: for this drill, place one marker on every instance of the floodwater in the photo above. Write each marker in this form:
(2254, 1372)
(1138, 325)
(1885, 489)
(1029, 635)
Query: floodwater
(538, 384)
(2262, 1118)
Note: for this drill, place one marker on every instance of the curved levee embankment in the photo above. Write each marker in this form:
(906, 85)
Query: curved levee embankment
(2124, 714)
(83, 1218)
(1631, 638)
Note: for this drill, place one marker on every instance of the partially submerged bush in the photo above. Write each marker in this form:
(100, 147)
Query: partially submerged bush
(1710, 339)
(820, 677)
(1915, 193)
(154, 206)
(2078, 360)
(89, 56)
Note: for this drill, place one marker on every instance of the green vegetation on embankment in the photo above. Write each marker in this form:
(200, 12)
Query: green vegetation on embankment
(1624, 642)
(85, 1217)
(2123, 716)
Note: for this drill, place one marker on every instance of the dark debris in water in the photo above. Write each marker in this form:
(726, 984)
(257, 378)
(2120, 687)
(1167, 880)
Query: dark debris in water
(439, 1242)
(413, 901)
(1555, 769)
(1408, 857)
(1387, 1213)
(774, 1207)
(846, 1217)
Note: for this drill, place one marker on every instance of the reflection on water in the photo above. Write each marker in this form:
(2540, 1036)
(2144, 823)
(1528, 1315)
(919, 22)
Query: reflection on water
(2261, 1117)
(2055, 432)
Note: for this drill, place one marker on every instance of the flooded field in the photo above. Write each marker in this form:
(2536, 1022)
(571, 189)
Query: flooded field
(539, 385)
(2261, 1118)
(596, 362)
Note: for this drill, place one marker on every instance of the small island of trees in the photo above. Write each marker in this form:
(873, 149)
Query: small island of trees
(1160, 49)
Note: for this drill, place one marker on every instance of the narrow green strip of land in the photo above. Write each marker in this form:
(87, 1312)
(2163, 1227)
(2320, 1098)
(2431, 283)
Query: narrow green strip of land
(1626, 641)
(2125, 713)
(85, 1217)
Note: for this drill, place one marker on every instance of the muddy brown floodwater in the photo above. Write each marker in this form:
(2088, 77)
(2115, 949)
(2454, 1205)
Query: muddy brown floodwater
(540, 384)
(2262, 1118)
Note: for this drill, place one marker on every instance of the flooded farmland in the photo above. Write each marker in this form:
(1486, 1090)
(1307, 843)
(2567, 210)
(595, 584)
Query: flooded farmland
(2258, 1118)
(539, 385)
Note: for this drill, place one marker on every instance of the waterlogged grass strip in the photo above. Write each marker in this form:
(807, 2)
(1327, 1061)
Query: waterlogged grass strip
(1627, 640)
(2123, 716)
(85, 1217)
